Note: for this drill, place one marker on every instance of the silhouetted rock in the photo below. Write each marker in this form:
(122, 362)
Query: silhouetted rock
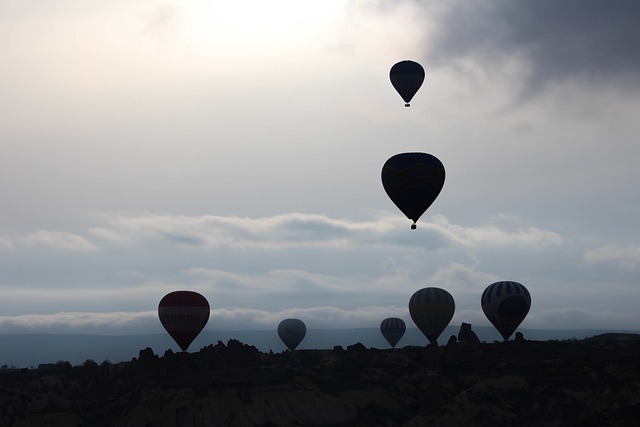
(452, 343)
(528, 383)
(356, 347)
(467, 336)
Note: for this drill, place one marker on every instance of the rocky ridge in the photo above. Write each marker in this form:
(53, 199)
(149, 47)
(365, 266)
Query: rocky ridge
(592, 382)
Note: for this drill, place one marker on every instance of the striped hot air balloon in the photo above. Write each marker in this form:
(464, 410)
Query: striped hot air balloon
(506, 304)
(431, 310)
(183, 314)
(413, 181)
(393, 329)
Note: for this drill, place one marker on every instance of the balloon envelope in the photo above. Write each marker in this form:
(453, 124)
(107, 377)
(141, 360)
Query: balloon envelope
(392, 329)
(183, 314)
(413, 181)
(431, 310)
(292, 332)
(506, 304)
(407, 77)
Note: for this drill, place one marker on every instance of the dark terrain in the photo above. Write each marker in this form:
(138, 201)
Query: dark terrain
(590, 382)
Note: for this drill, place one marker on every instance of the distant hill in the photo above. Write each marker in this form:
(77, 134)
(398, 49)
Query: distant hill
(30, 350)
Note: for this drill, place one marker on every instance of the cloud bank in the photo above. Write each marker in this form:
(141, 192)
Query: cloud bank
(587, 41)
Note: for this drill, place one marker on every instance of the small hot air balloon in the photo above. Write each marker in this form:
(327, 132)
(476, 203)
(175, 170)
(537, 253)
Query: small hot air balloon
(292, 332)
(431, 310)
(183, 314)
(506, 304)
(413, 181)
(407, 77)
(392, 329)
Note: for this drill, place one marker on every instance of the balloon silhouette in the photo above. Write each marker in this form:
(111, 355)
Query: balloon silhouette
(506, 304)
(292, 332)
(183, 314)
(413, 181)
(431, 310)
(406, 77)
(392, 329)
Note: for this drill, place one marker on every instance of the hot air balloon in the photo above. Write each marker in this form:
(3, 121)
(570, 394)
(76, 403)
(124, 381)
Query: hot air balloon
(183, 314)
(431, 310)
(392, 329)
(413, 182)
(407, 77)
(292, 332)
(506, 304)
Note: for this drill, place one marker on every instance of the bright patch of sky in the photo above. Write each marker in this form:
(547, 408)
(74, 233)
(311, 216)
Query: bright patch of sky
(234, 148)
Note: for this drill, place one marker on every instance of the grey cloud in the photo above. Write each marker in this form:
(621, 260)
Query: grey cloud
(228, 318)
(315, 317)
(462, 278)
(6, 243)
(305, 230)
(492, 235)
(626, 257)
(579, 318)
(58, 240)
(81, 322)
(590, 40)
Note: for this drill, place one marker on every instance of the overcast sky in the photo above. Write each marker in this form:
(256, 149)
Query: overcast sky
(234, 148)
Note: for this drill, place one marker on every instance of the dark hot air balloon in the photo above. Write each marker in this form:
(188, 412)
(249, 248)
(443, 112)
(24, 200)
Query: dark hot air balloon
(392, 329)
(431, 310)
(506, 304)
(183, 314)
(413, 181)
(292, 332)
(406, 77)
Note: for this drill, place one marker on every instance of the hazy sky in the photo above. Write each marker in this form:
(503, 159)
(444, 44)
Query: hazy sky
(234, 148)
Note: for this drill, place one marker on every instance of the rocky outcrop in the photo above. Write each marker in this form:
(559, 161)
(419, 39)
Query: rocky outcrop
(467, 336)
(525, 383)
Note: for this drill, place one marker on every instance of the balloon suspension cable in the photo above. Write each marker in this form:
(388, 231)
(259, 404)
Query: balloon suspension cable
(413, 226)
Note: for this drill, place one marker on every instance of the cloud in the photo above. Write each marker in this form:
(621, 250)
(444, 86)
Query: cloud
(210, 231)
(58, 240)
(229, 318)
(626, 257)
(585, 40)
(494, 236)
(80, 322)
(581, 318)
(293, 230)
(328, 317)
(274, 281)
(272, 263)
(276, 232)
(321, 317)
(5, 243)
(84, 293)
(459, 277)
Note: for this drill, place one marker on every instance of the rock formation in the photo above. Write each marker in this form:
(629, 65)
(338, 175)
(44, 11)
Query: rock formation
(466, 335)
(530, 383)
